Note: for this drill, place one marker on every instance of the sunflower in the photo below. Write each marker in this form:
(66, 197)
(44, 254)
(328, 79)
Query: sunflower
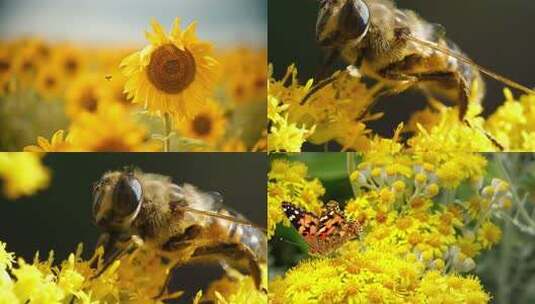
(113, 89)
(25, 65)
(49, 82)
(246, 74)
(233, 145)
(58, 143)
(92, 132)
(208, 125)
(70, 60)
(6, 68)
(84, 95)
(174, 74)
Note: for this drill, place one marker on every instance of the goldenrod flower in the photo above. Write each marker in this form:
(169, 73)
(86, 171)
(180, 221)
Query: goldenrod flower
(92, 132)
(174, 74)
(209, 124)
(374, 275)
(58, 143)
(489, 234)
(23, 174)
(85, 95)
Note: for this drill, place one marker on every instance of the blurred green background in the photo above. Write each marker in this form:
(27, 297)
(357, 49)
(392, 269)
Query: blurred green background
(495, 33)
(516, 249)
(60, 217)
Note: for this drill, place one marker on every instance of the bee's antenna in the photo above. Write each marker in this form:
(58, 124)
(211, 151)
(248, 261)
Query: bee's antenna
(467, 60)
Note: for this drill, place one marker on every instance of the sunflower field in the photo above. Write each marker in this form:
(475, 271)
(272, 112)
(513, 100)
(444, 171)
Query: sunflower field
(176, 93)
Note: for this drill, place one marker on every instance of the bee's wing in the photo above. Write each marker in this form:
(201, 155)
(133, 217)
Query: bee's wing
(469, 61)
(192, 200)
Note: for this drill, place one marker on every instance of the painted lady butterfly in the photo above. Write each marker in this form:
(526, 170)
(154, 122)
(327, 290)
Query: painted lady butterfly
(326, 233)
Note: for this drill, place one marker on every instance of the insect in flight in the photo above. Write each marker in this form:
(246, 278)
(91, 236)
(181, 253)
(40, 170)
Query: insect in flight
(326, 233)
(400, 49)
(141, 210)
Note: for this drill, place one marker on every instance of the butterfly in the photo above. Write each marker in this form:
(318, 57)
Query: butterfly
(326, 233)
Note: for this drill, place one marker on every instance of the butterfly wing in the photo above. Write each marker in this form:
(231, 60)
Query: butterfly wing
(305, 222)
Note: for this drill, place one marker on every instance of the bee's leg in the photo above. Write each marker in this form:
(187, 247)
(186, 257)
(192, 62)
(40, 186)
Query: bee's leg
(320, 85)
(133, 243)
(234, 252)
(178, 242)
(327, 63)
(452, 77)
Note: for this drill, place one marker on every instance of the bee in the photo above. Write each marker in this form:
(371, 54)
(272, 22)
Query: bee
(400, 49)
(141, 210)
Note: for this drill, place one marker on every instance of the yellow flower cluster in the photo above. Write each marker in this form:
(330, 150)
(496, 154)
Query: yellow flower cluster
(48, 87)
(22, 174)
(420, 230)
(126, 281)
(372, 275)
(512, 123)
(287, 182)
(339, 112)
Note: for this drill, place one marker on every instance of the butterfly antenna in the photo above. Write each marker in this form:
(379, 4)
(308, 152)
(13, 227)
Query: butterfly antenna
(469, 61)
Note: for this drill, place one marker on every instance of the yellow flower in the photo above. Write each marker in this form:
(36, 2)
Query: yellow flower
(451, 135)
(6, 68)
(70, 60)
(58, 143)
(287, 137)
(93, 132)
(511, 122)
(489, 234)
(84, 95)
(209, 124)
(174, 74)
(25, 66)
(23, 174)
(374, 275)
(233, 145)
(49, 82)
(113, 89)
(245, 73)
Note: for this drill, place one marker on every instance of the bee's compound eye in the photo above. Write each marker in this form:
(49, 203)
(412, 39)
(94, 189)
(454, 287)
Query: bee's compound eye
(127, 195)
(97, 199)
(354, 19)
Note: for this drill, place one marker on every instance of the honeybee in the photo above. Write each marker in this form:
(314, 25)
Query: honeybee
(141, 210)
(400, 49)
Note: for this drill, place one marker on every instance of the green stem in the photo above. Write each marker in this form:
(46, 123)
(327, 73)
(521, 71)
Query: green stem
(168, 125)
(506, 246)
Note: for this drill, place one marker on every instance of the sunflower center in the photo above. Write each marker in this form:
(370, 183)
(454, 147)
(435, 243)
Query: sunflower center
(71, 65)
(4, 66)
(112, 145)
(50, 82)
(260, 82)
(27, 66)
(44, 51)
(89, 101)
(202, 125)
(171, 69)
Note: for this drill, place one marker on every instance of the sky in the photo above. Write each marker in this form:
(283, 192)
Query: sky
(123, 21)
